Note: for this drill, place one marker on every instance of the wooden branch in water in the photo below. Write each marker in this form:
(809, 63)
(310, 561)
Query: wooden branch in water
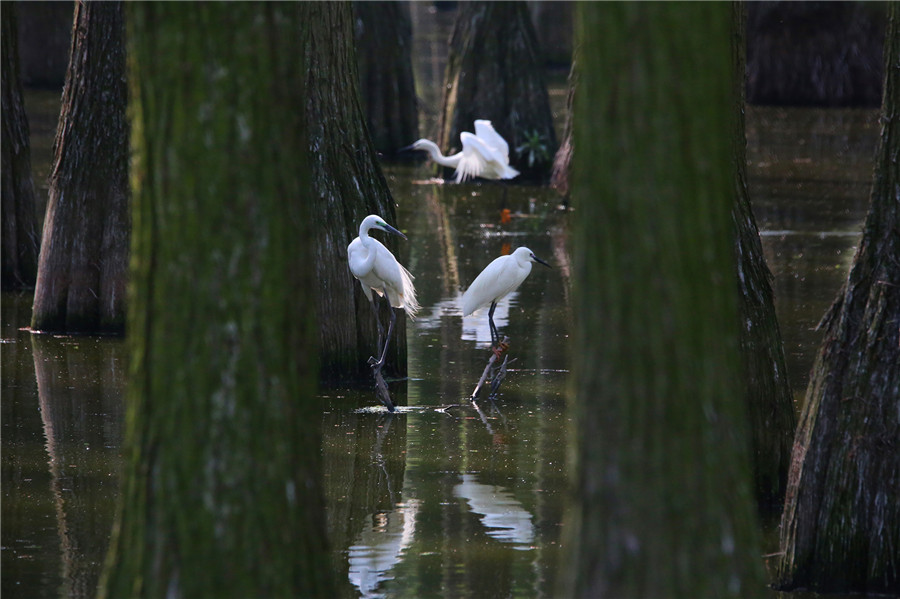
(488, 373)
(381, 389)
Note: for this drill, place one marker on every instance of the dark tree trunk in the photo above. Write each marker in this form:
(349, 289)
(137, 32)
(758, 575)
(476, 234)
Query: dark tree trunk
(348, 185)
(45, 38)
(84, 249)
(840, 530)
(20, 238)
(494, 73)
(222, 495)
(562, 161)
(767, 391)
(815, 53)
(384, 55)
(663, 504)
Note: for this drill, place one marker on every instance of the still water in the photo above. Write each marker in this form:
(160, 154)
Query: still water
(444, 498)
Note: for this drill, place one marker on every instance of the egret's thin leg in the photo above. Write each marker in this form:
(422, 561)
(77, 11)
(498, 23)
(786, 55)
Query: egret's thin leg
(375, 311)
(387, 339)
(495, 336)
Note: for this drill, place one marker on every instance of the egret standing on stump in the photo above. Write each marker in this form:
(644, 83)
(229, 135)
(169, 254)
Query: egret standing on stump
(485, 154)
(499, 279)
(378, 270)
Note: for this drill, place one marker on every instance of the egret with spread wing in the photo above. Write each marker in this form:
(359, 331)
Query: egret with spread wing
(500, 278)
(485, 154)
(378, 270)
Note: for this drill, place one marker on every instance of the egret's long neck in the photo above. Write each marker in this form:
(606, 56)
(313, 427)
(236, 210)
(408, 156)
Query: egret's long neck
(367, 243)
(435, 153)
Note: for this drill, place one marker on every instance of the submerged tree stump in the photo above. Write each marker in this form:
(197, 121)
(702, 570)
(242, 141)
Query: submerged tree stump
(840, 531)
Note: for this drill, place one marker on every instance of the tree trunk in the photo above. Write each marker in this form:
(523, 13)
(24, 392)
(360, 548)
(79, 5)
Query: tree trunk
(494, 73)
(84, 250)
(222, 495)
(384, 56)
(841, 524)
(562, 161)
(767, 392)
(20, 239)
(662, 504)
(348, 185)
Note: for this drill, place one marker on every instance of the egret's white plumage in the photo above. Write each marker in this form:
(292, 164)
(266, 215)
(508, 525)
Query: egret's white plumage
(378, 270)
(485, 154)
(499, 279)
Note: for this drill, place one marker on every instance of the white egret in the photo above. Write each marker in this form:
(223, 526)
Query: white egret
(496, 281)
(378, 270)
(485, 154)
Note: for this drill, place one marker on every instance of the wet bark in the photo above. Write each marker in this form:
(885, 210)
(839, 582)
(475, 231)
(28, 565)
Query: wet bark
(20, 237)
(83, 264)
(222, 493)
(494, 73)
(662, 477)
(562, 161)
(841, 524)
(384, 56)
(767, 391)
(348, 185)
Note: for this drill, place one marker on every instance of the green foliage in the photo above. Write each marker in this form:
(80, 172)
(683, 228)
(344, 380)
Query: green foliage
(536, 148)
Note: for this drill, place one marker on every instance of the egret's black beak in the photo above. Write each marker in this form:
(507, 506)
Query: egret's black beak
(391, 229)
(406, 148)
(539, 261)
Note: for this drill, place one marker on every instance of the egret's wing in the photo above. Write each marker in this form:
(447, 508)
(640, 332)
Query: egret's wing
(474, 157)
(489, 285)
(486, 132)
(396, 281)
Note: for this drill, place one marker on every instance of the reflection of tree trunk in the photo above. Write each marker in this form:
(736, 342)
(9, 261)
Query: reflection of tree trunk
(84, 250)
(494, 73)
(663, 477)
(384, 56)
(365, 461)
(20, 239)
(841, 525)
(80, 394)
(767, 392)
(222, 492)
(348, 185)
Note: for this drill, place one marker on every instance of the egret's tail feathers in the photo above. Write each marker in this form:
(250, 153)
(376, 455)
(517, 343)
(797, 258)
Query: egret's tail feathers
(510, 173)
(408, 297)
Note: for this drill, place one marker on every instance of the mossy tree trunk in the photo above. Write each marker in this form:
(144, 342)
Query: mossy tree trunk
(222, 494)
(840, 530)
(494, 72)
(20, 238)
(83, 264)
(348, 185)
(384, 56)
(767, 391)
(662, 501)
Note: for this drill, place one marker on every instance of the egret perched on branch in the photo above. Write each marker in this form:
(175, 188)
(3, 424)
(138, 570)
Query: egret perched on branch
(500, 278)
(378, 270)
(485, 154)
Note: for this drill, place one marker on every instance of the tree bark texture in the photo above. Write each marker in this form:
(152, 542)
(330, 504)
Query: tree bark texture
(840, 530)
(83, 265)
(222, 494)
(20, 238)
(494, 73)
(767, 391)
(562, 161)
(384, 56)
(662, 501)
(348, 185)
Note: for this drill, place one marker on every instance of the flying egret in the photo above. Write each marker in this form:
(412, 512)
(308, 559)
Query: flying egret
(485, 154)
(496, 281)
(378, 270)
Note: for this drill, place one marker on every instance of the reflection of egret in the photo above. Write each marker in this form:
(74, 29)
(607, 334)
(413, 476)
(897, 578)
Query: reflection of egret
(379, 547)
(378, 270)
(504, 518)
(473, 327)
(485, 154)
(496, 281)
